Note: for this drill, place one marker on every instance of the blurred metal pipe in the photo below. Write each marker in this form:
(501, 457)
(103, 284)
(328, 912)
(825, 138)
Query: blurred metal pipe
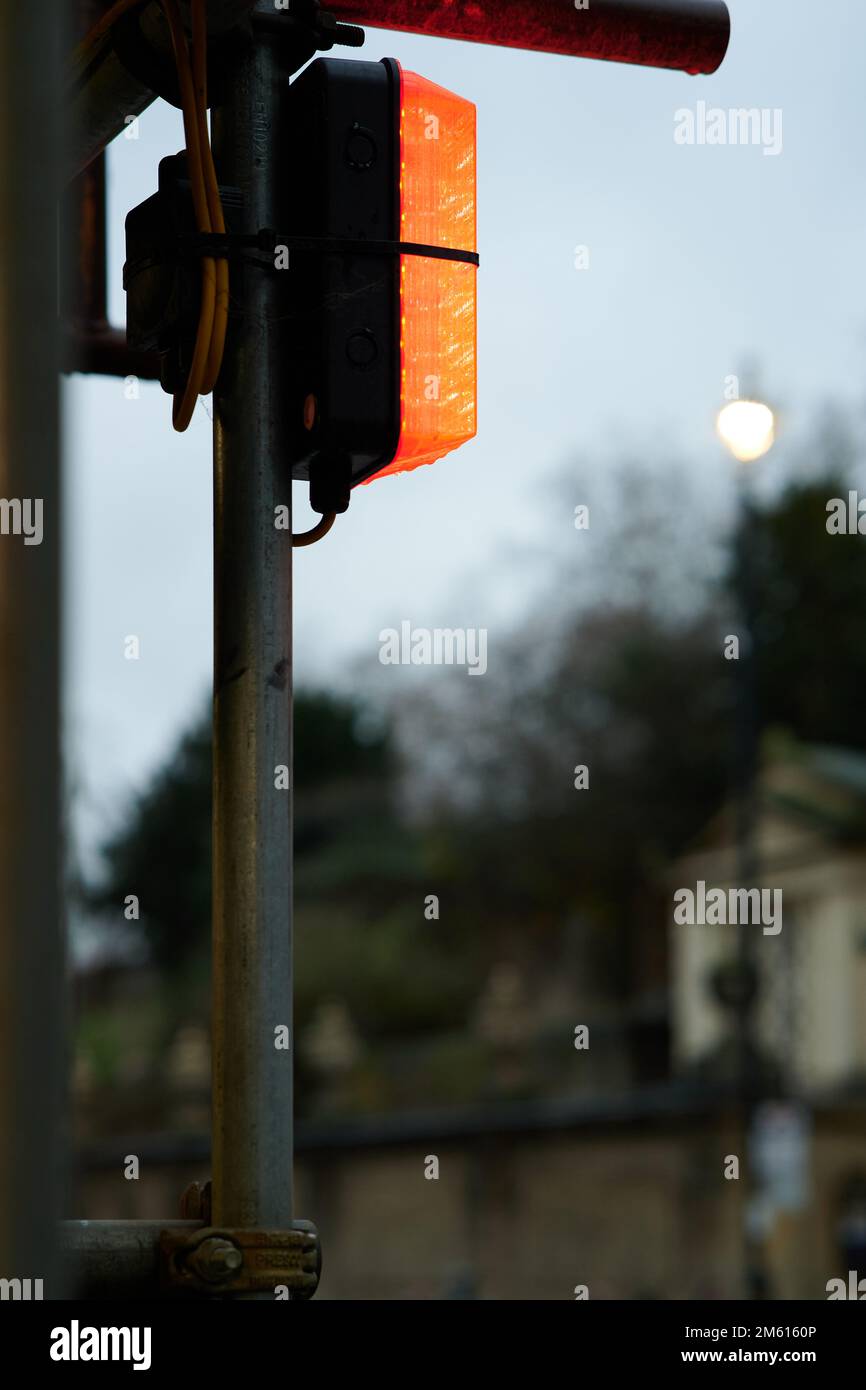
(126, 1259)
(103, 94)
(114, 1259)
(104, 352)
(90, 343)
(31, 1038)
(83, 275)
(689, 35)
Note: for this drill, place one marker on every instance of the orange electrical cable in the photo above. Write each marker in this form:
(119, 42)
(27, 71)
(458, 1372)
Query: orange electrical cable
(185, 400)
(215, 209)
(191, 65)
(316, 532)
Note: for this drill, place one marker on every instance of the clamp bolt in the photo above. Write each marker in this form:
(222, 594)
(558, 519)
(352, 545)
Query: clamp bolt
(216, 1259)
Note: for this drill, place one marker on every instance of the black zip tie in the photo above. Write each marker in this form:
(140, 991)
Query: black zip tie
(225, 244)
(236, 245)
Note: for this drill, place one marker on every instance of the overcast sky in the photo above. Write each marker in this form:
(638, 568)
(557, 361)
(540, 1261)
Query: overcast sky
(700, 256)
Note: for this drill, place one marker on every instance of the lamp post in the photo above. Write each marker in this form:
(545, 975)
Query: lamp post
(747, 429)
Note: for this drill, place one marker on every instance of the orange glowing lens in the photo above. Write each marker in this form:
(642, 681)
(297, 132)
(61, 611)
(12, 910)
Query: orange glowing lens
(437, 297)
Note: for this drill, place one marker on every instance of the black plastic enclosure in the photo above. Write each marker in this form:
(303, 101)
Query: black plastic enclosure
(162, 276)
(342, 175)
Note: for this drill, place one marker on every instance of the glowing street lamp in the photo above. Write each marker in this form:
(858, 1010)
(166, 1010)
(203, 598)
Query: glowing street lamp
(747, 429)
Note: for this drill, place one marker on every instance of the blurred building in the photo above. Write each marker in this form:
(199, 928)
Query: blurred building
(810, 1009)
(559, 1168)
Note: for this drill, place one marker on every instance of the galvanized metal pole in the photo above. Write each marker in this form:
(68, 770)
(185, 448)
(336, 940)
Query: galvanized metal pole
(252, 839)
(31, 1012)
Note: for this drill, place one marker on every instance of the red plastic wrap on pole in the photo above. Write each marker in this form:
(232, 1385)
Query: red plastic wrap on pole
(688, 35)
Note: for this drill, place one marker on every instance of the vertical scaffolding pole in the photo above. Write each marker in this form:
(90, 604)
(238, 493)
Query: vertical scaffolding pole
(252, 961)
(31, 1038)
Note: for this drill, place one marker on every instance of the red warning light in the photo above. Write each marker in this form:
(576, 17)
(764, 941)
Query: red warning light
(382, 295)
(438, 330)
